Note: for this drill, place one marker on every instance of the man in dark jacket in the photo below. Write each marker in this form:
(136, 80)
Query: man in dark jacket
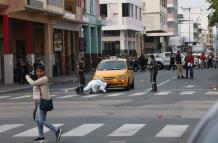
(154, 72)
(81, 76)
(179, 67)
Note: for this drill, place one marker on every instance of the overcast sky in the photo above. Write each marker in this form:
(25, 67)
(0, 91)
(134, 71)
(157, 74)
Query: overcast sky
(193, 3)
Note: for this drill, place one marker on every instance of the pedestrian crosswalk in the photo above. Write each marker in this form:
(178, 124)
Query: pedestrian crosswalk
(120, 94)
(172, 131)
(127, 130)
(82, 130)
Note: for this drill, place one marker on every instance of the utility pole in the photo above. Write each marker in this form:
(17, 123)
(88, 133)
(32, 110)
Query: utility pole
(189, 9)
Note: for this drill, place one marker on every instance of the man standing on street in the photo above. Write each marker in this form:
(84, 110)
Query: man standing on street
(179, 67)
(190, 61)
(172, 61)
(154, 72)
(81, 76)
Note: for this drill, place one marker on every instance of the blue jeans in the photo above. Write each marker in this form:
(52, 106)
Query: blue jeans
(191, 71)
(41, 121)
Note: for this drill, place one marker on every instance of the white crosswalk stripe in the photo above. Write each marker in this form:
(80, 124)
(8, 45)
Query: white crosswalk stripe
(115, 94)
(67, 96)
(8, 127)
(172, 131)
(212, 93)
(3, 97)
(83, 130)
(138, 94)
(163, 93)
(34, 131)
(21, 97)
(187, 92)
(90, 96)
(127, 130)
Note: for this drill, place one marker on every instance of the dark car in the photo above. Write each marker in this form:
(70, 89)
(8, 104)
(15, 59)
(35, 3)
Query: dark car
(207, 129)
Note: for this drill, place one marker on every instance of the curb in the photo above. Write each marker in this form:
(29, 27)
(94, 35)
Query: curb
(30, 87)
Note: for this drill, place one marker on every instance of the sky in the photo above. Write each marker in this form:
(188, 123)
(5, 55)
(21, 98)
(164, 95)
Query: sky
(193, 3)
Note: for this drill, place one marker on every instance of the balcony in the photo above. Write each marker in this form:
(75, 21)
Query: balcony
(48, 7)
(3, 3)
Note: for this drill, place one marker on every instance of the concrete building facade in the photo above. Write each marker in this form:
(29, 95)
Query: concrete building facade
(123, 22)
(51, 30)
(193, 28)
(155, 22)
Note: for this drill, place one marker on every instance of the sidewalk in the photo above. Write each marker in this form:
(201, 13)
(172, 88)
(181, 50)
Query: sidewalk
(56, 80)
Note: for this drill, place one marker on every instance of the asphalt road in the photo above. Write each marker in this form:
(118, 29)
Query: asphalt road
(118, 116)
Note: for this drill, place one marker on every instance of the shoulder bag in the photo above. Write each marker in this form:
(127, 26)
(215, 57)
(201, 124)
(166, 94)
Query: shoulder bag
(45, 105)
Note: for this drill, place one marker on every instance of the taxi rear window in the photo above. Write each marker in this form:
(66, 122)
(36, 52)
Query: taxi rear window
(112, 65)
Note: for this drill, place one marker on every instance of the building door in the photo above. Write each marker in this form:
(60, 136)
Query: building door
(20, 49)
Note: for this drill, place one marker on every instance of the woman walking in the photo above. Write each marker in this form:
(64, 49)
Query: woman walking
(154, 72)
(41, 91)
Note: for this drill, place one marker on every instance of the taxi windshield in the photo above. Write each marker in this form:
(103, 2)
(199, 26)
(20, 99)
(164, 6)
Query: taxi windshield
(112, 65)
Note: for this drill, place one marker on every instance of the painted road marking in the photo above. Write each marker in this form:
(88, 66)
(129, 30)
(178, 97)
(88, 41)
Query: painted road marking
(21, 97)
(163, 93)
(83, 130)
(187, 92)
(127, 130)
(67, 96)
(90, 96)
(159, 84)
(212, 93)
(172, 131)
(115, 94)
(138, 94)
(34, 131)
(7, 127)
(3, 97)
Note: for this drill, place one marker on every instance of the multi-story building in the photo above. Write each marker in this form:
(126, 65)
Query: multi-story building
(193, 27)
(155, 22)
(26, 30)
(170, 38)
(124, 21)
(49, 29)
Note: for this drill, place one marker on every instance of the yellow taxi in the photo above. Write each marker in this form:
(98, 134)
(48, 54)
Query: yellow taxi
(115, 72)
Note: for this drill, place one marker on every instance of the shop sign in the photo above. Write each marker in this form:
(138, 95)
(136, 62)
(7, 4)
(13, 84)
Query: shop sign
(58, 41)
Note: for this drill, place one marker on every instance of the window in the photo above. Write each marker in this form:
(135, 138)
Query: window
(126, 9)
(132, 15)
(140, 13)
(136, 12)
(111, 33)
(103, 10)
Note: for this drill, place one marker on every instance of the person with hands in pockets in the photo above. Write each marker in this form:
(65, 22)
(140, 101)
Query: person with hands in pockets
(41, 91)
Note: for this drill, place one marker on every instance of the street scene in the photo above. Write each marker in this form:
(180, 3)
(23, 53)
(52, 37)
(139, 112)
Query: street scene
(108, 71)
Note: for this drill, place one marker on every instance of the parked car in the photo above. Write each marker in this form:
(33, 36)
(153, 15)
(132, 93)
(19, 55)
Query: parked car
(207, 129)
(116, 73)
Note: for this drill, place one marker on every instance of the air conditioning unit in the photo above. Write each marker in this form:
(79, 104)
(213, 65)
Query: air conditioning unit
(35, 4)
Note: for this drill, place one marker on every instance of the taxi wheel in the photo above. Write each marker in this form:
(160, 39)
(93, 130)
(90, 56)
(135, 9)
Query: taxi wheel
(127, 88)
(133, 84)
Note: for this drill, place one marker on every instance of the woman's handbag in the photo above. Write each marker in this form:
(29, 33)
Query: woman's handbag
(45, 105)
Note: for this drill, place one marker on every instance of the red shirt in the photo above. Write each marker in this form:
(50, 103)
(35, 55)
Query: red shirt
(190, 59)
(203, 57)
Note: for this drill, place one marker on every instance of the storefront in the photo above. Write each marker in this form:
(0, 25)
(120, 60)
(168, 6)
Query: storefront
(66, 47)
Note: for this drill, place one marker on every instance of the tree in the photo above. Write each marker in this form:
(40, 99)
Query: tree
(213, 16)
